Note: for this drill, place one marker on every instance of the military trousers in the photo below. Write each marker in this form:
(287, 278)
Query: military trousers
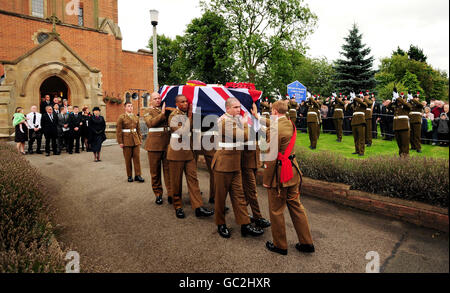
(230, 182)
(132, 157)
(415, 135)
(176, 170)
(156, 160)
(338, 125)
(250, 193)
(368, 129)
(359, 136)
(290, 197)
(313, 131)
(208, 162)
(402, 138)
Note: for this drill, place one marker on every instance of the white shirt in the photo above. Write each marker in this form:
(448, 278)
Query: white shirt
(30, 118)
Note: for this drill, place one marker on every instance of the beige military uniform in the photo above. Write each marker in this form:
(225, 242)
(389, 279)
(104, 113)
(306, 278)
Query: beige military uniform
(368, 114)
(128, 133)
(182, 160)
(338, 117)
(415, 118)
(285, 194)
(227, 170)
(156, 145)
(313, 120)
(359, 125)
(401, 125)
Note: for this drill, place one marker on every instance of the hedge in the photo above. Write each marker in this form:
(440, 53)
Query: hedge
(27, 242)
(415, 178)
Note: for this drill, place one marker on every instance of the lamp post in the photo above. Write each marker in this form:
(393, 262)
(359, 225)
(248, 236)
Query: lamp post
(154, 19)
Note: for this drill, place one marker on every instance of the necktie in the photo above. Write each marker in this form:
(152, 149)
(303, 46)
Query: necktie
(34, 119)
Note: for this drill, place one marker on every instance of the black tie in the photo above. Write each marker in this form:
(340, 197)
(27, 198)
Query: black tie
(34, 119)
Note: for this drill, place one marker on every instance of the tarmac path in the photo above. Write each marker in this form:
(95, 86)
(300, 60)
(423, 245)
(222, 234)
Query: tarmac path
(115, 226)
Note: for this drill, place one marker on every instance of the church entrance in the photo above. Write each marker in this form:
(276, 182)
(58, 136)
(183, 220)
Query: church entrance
(55, 86)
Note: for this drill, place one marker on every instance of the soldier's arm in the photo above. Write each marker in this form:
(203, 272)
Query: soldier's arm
(405, 104)
(230, 130)
(154, 120)
(418, 104)
(119, 133)
(184, 128)
(361, 102)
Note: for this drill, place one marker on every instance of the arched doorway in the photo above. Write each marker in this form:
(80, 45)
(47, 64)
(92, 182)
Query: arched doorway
(55, 86)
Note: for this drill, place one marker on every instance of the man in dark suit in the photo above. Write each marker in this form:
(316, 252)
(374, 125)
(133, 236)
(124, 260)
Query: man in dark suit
(45, 103)
(64, 136)
(49, 126)
(75, 125)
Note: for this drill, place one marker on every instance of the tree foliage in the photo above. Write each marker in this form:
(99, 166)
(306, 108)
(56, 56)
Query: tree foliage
(260, 27)
(354, 73)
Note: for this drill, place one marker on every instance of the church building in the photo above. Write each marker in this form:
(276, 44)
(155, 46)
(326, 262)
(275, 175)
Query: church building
(71, 49)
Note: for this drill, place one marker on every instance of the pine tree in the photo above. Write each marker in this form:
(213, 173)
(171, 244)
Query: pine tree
(355, 72)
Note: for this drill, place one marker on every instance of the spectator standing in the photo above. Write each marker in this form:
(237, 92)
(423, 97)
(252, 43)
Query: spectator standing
(427, 125)
(76, 120)
(97, 136)
(35, 130)
(85, 116)
(63, 130)
(21, 130)
(45, 103)
(442, 125)
(49, 123)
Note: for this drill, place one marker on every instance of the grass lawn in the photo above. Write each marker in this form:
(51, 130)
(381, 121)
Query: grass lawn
(327, 142)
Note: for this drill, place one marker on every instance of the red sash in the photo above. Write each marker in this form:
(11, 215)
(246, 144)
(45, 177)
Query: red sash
(286, 164)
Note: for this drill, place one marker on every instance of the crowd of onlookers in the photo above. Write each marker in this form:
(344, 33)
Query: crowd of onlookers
(435, 120)
(63, 126)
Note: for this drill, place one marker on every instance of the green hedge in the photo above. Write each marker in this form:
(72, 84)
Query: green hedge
(27, 242)
(414, 178)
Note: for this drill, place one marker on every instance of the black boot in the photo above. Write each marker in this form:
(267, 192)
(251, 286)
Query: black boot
(139, 179)
(306, 248)
(223, 231)
(180, 213)
(270, 246)
(202, 212)
(159, 200)
(252, 231)
(130, 179)
(261, 222)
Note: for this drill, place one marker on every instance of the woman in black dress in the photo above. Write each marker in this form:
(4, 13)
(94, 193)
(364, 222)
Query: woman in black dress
(84, 130)
(97, 136)
(21, 130)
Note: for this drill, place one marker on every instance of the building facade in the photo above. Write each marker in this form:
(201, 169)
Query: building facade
(57, 47)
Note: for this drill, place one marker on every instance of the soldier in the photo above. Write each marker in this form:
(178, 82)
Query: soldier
(282, 178)
(181, 159)
(338, 115)
(129, 137)
(211, 136)
(293, 106)
(401, 123)
(320, 103)
(265, 108)
(250, 165)
(415, 117)
(156, 145)
(227, 169)
(359, 123)
(368, 116)
(313, 121)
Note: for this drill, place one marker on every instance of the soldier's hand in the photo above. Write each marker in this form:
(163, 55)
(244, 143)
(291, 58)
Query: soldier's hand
(121, 146)
(244, 119)
(255, 111)
(163, 110)
(190, 111)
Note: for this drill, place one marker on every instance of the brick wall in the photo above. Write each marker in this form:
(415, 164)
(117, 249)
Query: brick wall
(121, 70)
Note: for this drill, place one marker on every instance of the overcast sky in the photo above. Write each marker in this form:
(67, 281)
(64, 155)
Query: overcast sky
(385, 24)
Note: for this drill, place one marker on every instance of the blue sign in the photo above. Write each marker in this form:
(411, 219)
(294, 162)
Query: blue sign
(297, 89)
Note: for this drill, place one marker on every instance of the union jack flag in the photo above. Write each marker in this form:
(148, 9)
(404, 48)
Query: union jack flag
(211, 99)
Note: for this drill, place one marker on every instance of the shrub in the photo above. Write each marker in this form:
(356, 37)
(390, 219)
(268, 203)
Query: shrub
(27, 242)
(414, 178)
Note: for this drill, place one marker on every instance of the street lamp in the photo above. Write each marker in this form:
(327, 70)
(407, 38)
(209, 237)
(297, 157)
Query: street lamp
(154, 19)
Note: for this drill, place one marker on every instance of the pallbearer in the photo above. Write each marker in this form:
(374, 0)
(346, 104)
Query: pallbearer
(338, 115)
(293, 105)
(415, 117)
(129, 138)
(313, 121)
(156, 145)
(368, 112)
(401, 122)
(181, 159)
(282, 178)
(359, 123)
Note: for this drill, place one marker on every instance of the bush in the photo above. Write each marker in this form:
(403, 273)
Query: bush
(418, 179)
(27, 242)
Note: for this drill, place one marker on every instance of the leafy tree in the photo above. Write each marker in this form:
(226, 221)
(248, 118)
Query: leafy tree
(399, 51)
(209, 49)
(354, 73)
(411, 82)
(171, 60)
(386, 91)
(415, 53)
(260, 27)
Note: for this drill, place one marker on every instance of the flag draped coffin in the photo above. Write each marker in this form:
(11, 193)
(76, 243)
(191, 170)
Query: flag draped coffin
(211, 99)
